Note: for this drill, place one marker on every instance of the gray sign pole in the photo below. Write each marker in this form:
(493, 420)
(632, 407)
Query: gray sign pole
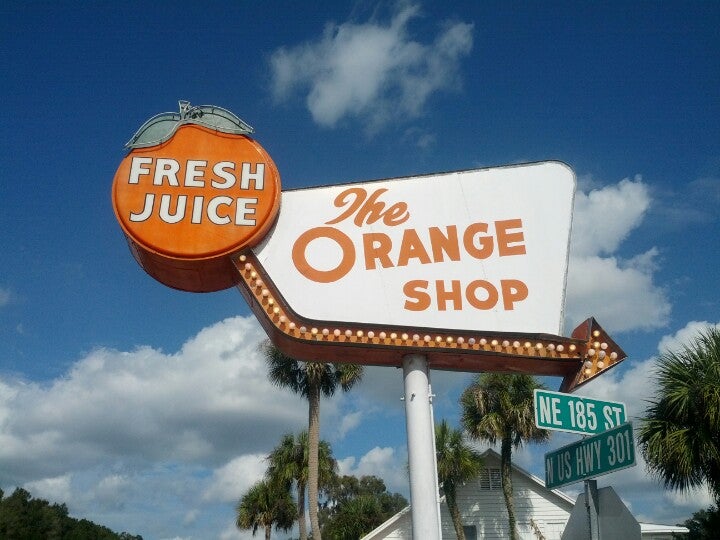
(424, 497)
(593, 509)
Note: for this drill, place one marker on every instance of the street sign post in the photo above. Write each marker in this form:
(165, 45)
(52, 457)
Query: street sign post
(566, 412)
(594, 456)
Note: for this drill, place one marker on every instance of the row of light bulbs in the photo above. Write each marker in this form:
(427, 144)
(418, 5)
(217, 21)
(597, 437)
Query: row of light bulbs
(597, 357)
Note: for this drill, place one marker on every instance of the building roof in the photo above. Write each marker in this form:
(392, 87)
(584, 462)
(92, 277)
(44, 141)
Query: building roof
(655, 528)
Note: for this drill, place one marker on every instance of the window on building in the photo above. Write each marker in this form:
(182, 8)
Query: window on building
(470, 532)
(490, 479)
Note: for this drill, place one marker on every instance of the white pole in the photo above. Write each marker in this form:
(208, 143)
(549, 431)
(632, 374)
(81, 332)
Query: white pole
(421, 449)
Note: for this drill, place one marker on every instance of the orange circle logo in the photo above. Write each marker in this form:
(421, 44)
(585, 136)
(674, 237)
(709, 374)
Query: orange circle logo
(187, 204)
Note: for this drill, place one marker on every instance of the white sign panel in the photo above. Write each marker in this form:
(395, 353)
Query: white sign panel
(484, 249)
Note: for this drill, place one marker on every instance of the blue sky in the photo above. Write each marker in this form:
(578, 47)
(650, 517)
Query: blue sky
(148, 409)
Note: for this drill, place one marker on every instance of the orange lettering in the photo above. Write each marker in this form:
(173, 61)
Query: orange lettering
(323, 276)
(487, 303)
(415, 290)
(454, 294)
(412, 248)
(513, 290)
(369, 210)
(341, 200)
(505, 237)
(447, 243)
(377, 246)
(485, 249)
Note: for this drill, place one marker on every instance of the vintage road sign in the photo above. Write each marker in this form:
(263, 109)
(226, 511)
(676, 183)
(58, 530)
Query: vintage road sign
(463, 270)
(577, 414)
(467, 268)
(476, 249)
(594, 456)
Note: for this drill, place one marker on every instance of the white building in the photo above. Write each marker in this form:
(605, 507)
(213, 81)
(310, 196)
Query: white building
(541, 513)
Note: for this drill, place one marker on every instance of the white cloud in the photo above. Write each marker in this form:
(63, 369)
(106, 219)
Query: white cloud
(621, 295)
(604, 217)
(55, 489)
(633, 385)
(111, 490)
(233, 479)
(385, 463)
(620, 292)
(349, 422)
(690, 499)
(372, 71)
(202, 404)
(684, 336)
(125, 434)
(231, 532)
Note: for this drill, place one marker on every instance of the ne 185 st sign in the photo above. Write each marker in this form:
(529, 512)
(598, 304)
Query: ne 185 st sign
(602, 454)
(566, 412)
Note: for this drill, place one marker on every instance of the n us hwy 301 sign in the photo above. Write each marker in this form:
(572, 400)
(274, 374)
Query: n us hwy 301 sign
(594, 456)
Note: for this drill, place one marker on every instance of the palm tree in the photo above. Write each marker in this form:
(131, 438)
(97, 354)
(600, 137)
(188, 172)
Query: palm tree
(264, 505)
(357, 517)
(288, 463)
(680, 434)
(500, 406)
(457, 463)
(311, 380)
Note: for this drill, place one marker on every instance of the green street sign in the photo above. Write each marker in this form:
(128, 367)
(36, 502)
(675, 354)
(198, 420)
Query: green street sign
(576, 414)
(594, 456)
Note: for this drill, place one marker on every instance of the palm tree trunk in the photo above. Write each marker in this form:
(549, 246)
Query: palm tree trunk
(313, 445)
(450, 499)
(268, 530)
(506, 475)
(301, 511)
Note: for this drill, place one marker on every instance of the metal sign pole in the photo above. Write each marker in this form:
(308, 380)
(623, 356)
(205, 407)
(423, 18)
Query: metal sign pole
(424, 496)
(591, 502)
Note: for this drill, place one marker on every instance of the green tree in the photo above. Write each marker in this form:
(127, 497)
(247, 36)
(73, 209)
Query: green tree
(679, 435)
(355, 506)
(499, 406)
(703, 525)
(311, 380)
(357, 517)
(24, 518)
(457, 463)
(266, 505)
(288, 464)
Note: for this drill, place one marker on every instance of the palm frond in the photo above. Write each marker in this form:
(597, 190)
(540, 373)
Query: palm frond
(679, 435)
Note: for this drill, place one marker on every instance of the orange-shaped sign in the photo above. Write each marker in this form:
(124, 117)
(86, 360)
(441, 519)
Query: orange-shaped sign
(188, 204)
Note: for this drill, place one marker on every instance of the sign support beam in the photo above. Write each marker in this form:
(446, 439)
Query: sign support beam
(591, 501)
(424, 496)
